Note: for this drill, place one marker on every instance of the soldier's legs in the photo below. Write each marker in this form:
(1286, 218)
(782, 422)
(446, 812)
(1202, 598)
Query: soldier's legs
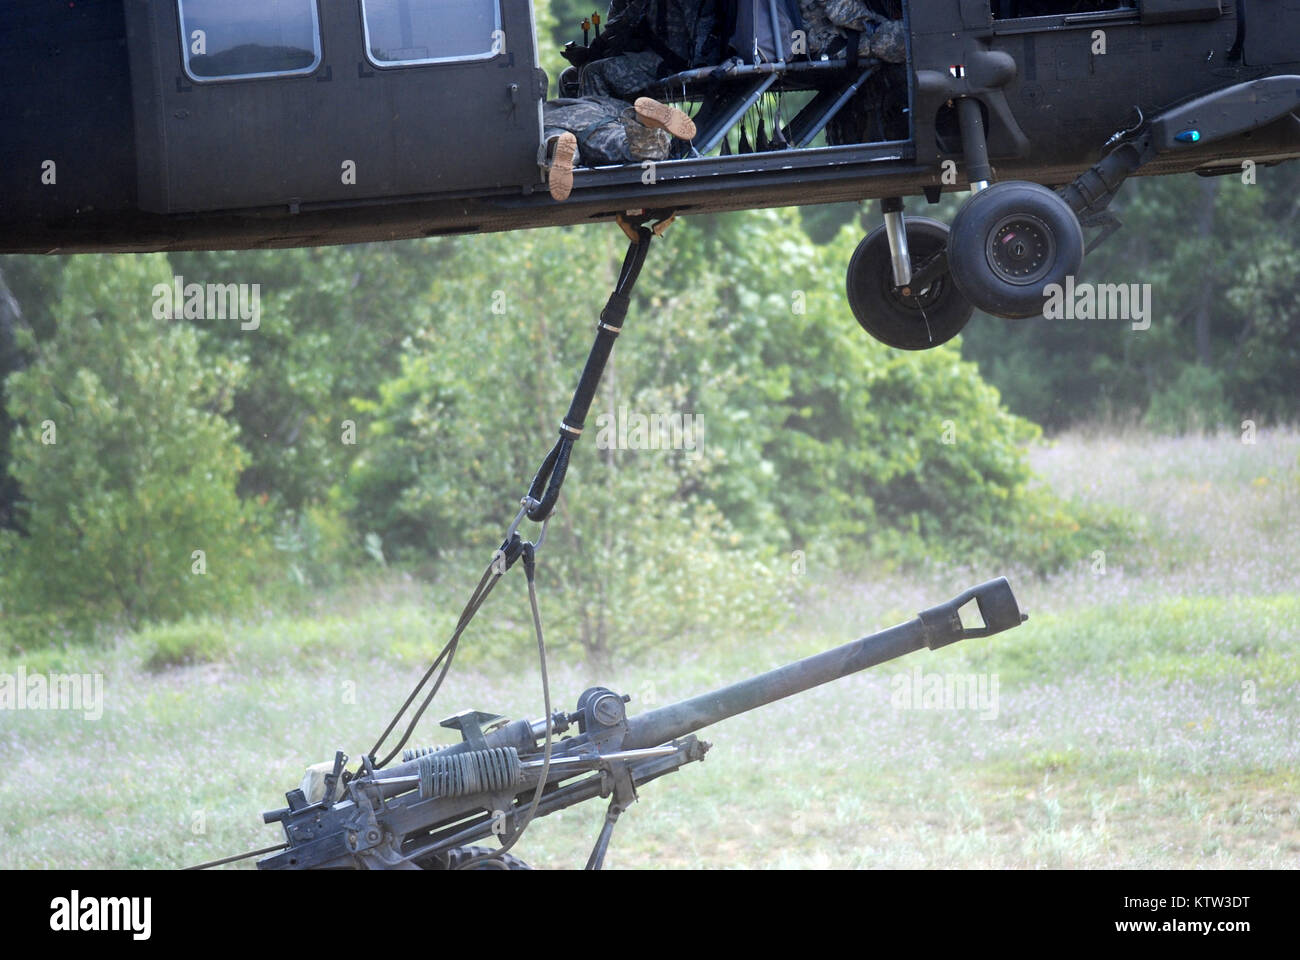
(606, 130)
(625, 77)
(661, 116)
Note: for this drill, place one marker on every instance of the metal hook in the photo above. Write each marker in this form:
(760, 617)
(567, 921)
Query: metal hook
(526, 504)
(1120, 135)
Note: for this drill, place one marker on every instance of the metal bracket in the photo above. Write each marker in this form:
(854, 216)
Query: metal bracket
(630, 222)
(1108, 223)
(624, 790)
(470, 724)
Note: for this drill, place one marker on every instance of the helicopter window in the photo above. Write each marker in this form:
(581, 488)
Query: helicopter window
(401, 32)
(238, 39)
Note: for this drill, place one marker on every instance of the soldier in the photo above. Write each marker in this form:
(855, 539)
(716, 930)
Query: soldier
(643, 41)
(828, 22)
(590, 131)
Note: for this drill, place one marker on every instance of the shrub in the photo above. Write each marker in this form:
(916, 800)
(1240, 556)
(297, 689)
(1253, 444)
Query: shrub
(126, 463)
(183, 644)
(1195, 402)
(814, 436)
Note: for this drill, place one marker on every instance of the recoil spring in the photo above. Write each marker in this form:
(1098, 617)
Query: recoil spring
(414, 753)
(462, 774)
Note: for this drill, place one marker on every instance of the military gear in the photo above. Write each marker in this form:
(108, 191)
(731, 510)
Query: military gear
(644, 40)
(819, 33)
(645, 142)
(432, 802)
(849, 27)
(889, 42)
(567, 85)
(751, 34)
(625, 76)
(850, 14)
(879, 111)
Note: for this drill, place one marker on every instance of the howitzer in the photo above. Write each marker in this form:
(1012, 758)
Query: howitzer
(423, 812)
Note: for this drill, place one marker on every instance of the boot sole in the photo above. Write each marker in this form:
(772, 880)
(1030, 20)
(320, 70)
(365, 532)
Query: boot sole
(560, 177)
(655, 114)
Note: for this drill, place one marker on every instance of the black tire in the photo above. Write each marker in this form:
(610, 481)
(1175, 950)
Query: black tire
(933, 316)
(1009, 242)
(453, 858)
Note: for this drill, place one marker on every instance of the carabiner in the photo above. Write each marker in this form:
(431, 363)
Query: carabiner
(526, 504)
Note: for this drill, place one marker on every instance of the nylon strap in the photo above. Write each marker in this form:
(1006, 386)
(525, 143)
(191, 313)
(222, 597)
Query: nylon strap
(545, 488)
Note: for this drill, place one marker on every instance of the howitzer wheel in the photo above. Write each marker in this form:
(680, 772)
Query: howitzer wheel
(453, 858)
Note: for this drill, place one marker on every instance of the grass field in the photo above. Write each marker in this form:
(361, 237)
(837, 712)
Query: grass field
(1147, 715)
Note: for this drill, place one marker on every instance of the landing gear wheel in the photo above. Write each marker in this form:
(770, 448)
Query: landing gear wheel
(922, 320)
(1009, 242)
(453, 858)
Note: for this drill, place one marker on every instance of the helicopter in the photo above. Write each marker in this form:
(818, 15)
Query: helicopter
(159, 125)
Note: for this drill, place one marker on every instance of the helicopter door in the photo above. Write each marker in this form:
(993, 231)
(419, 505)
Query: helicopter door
(254, 103)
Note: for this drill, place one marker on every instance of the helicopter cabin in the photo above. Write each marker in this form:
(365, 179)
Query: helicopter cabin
(174, 124)
(243, 104)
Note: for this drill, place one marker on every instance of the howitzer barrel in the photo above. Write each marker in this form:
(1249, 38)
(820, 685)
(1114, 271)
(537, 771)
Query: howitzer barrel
(936, 627)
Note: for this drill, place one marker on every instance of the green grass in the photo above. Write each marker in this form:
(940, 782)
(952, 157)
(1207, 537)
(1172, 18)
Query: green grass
(1148, 713)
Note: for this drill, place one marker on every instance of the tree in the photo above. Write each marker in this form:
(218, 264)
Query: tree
(332, 324)
(10, 315)
(452, 441)
(128, 465)
(1219, 257)
(811, 436)
(26, 290)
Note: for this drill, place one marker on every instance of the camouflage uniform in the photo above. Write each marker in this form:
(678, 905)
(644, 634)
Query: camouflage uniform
(681, 26)
(825, 21)
(627, 75)
(889, 42)
(821, 33)
(607, 131)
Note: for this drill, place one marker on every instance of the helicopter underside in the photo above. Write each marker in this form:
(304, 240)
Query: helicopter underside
(689, 187)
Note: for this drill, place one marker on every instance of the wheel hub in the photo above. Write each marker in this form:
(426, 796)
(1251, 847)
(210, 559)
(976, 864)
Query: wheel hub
(1020, 249)
(912, 296)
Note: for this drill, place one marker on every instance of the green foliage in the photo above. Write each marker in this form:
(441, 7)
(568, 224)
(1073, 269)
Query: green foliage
(180, 644)
(853, 442)
(1195, 401)
(315, 545)
(332, 326)
(813, 436)
(21, 633)
(129, 464)
(557, 23)
(26, 284)
(636, 558)
(394, 400)
(1221, 257)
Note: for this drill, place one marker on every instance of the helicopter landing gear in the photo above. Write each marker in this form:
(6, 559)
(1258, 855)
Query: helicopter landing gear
(1009, 242)
(974, 144)
(898, 283)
